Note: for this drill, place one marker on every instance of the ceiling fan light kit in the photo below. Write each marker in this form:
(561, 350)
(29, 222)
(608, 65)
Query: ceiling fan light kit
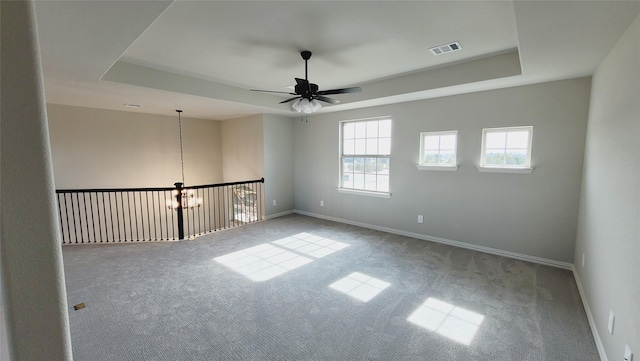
(305, 106)
(308, 95)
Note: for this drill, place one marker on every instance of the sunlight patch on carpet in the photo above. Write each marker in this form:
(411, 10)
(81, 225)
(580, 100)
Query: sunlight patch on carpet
(262, 262)
(311, 245)
(269, 260)
(360, 286)
(455, 323)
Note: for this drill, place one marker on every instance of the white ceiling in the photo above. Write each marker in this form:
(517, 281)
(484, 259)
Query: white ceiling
(204, 56)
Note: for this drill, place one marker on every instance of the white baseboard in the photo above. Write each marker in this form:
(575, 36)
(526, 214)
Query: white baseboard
(499, 252)
(281, 214)
(592, 322)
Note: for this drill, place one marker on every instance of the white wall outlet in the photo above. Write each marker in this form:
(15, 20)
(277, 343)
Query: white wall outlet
(628, 355)
(420, 218)
(321, 203)
(612, 321)
(583, 260)
(274, 202)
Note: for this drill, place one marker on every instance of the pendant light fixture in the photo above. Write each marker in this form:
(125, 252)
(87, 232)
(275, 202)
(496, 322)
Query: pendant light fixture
(181, 150)
(189, 199)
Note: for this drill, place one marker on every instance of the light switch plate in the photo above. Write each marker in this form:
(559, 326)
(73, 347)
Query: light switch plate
(612, 320)
(628, 355)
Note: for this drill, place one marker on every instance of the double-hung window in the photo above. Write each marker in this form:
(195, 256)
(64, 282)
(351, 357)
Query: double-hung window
(506, 147)
(365, 147)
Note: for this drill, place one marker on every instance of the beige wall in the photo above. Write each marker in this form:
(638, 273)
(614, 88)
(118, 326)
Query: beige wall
(95, 148)
(609, 221)
(242, 149)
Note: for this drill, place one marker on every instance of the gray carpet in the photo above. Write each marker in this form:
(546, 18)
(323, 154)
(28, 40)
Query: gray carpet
(300, 288)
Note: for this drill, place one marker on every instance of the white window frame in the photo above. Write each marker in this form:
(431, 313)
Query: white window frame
(359, 191)
(506, 168)
(422, 165)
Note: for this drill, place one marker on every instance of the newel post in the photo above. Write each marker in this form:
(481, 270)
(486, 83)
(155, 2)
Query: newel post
(179, 210)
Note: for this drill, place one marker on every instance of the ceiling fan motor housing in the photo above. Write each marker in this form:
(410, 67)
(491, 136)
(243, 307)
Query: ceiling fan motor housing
(306, 91)
(309, 91)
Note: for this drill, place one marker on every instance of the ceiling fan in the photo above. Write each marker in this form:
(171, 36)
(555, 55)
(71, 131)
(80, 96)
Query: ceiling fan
(307, 94)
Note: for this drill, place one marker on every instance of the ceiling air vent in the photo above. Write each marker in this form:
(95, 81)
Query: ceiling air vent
(447, 48)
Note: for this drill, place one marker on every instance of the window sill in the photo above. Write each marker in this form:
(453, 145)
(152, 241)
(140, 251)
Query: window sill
(364, 193)
(447, 168)
(505, 170)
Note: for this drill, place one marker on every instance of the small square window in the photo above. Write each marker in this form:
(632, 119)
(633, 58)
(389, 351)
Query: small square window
(506, 147)
(438, 149)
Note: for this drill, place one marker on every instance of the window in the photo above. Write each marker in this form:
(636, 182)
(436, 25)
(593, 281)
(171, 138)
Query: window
(506, 147)
(365, 146)
(438, 149)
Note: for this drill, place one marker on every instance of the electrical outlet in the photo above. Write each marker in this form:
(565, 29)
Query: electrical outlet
(274, 202)
(583, 260)
(321, 203)
(628, 355)
(420, 218)
(612, 321)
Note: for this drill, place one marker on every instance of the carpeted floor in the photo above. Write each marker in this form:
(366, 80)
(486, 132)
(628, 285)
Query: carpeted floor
(300, 288)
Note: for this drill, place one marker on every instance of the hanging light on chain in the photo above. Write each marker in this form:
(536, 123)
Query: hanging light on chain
(189, 199)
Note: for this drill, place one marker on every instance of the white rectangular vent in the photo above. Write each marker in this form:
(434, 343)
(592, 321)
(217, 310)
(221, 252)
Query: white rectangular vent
(447, 48)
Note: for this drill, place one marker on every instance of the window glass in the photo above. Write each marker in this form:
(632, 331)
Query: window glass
(506, 147)
(438, 148)
(365, 149)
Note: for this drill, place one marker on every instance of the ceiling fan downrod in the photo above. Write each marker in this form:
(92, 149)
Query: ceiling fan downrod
(306, 55)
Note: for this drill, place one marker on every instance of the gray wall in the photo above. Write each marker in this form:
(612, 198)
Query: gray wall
(534, 215)
(278, 164)
(35, 311)
(609, 221)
